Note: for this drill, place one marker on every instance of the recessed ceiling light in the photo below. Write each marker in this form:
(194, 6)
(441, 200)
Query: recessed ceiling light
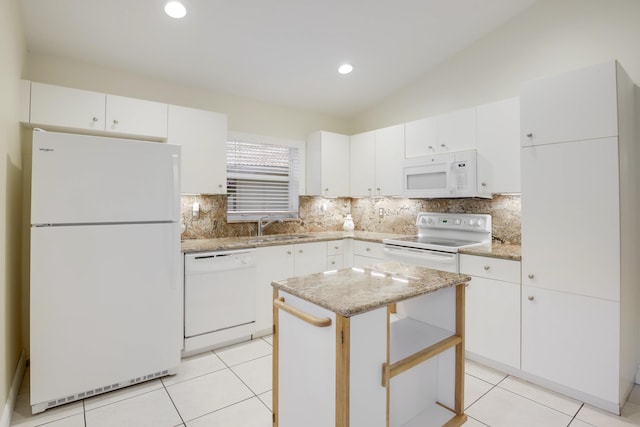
(345, 69)
(175, 9)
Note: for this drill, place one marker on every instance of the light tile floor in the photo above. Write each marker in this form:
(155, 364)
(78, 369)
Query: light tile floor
(231, 387)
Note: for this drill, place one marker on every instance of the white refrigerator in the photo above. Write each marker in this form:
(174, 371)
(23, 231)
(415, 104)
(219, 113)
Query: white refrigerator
(105, 300)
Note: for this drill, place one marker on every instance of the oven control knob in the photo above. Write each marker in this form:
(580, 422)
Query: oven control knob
(430, 221)
(472, 222)
(479, 223)
(457, 221)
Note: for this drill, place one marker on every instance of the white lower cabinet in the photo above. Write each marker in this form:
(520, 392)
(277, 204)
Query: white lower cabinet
(493, 309)
(572, 340)
(272, 263)
(281, 262)
(367, 253)
(310, 258)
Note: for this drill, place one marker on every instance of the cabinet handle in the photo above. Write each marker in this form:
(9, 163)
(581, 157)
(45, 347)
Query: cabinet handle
(368, 249)
(288, 252)
(115, 122)
(442, 145)
(94, 119)
(531, 276)
(529, 135)
(315, 321)
(326, 190)
(484, 184)
(336, 247)
(219, 185)
(531, 297)
(300, 251)
(430, 147)
(486, 268)
(333, 263)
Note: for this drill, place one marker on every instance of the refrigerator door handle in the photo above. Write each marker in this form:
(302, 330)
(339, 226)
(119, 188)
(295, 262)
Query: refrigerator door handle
(176, 186)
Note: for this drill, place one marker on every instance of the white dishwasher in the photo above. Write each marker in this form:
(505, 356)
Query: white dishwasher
(219, 299)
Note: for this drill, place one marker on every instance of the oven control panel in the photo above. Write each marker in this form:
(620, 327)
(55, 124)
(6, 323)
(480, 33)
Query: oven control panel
(468, 222)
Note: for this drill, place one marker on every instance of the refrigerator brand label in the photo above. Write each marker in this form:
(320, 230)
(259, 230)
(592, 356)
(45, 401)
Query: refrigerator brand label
(45, 149)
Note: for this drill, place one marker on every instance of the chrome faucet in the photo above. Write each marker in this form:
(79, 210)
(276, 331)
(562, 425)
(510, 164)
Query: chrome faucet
(262, 225)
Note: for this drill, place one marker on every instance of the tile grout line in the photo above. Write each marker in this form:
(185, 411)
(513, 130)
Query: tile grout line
(538, 403)
(575, 415)
(173, 403)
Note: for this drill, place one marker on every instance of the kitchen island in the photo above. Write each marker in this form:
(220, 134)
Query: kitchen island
(342, 358)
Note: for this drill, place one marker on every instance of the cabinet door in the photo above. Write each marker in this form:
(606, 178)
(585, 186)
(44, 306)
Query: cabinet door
(66, 107)
(363, 158)
(493, 320)
(572, 340)
(203, 138)
(136, 117)
(457, 130)
(272, 263)
(388, 160)
(327, 164)
(310, 258)
(421, 137)
(572, 106)
(566, 189)
(499, 147)
(335, 163)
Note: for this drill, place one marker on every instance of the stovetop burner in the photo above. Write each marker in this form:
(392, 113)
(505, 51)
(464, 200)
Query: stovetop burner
(447, 232)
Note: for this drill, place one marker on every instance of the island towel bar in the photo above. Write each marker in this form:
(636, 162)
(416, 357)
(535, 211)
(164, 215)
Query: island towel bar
(315, 321)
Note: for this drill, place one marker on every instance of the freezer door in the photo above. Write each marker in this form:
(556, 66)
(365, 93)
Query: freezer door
(105, 306)
(80, 179)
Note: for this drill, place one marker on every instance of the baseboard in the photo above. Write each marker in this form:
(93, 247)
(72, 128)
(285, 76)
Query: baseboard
(638, 375)
(7, 411)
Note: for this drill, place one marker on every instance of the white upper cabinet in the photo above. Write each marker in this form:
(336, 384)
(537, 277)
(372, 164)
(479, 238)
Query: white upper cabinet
(421, 137)
(203, 138)
(327, 168)
(455, 131)
(376, 162)
(499, 147)
(136, 116)
(69, 108)
(570, 107)
(389, 157)
(363, 164)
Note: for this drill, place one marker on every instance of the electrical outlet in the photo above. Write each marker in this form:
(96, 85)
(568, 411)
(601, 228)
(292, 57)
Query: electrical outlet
(381, 212)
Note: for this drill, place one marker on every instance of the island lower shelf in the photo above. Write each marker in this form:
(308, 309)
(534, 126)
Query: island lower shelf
(375, 368)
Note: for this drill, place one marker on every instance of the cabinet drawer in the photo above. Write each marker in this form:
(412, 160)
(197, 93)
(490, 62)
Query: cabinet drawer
(490, 268)
(368, 249)
(335, 262)
(334, 247)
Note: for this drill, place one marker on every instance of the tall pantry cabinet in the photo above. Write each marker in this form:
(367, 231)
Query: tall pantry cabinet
(580, 233)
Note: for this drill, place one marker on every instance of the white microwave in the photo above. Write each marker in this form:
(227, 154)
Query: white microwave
(448, 175)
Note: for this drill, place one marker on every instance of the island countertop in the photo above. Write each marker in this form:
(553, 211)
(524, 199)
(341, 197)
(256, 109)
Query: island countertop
(353, 291)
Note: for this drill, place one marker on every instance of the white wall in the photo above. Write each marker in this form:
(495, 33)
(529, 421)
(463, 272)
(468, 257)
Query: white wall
(244, 115)
(12, 56)
(550, 37)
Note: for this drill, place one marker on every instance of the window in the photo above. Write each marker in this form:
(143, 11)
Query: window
(262, 179)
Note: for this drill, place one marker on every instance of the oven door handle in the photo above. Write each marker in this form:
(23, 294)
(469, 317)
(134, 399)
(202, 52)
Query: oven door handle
(422, 255)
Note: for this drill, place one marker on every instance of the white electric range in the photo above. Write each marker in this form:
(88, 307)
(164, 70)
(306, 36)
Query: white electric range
(439, 238)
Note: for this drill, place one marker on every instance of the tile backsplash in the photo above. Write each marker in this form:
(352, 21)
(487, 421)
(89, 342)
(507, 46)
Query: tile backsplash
(327, 214)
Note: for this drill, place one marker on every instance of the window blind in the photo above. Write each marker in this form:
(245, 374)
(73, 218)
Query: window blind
(262, 179)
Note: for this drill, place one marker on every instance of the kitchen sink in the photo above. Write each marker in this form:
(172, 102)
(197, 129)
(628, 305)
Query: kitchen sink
(277, 238)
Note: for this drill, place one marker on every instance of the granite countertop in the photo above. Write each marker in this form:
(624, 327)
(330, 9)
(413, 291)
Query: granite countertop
(495, 250)
(353, 291)
(229, 243)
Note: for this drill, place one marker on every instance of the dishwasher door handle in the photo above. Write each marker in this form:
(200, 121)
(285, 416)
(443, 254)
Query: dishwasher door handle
(315, 321)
